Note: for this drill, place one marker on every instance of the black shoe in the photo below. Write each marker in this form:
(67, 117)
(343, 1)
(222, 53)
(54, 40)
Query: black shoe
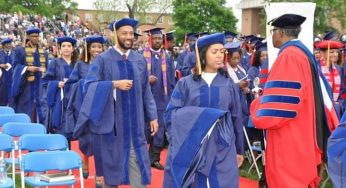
(157, 165)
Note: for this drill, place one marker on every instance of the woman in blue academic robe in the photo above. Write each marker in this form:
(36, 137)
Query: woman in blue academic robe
(239, 76)
(204, 123)
(93, 47)
(330, 66)
(53, 82)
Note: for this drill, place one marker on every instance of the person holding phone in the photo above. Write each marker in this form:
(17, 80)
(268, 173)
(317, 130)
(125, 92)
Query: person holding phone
(239, 77)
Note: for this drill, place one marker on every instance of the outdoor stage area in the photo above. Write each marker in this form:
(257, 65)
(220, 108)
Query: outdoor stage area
(157, 175)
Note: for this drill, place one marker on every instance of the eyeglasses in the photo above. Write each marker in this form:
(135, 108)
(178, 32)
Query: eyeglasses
(272, 30)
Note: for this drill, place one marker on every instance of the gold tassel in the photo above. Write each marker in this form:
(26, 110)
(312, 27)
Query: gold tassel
(85, 51)
(198, 61)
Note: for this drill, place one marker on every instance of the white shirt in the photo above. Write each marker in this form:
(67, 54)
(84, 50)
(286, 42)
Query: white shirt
(122, 53)
(208, 77)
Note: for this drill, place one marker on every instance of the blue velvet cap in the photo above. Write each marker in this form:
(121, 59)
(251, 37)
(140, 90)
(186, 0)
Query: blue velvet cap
(203, 34)
(210, 39)
(33, 30)
(331, 35)
(154, 31)
(261, 46)
(169, 36)
(123, 22)
(229, 34)
(254, 40)
(287, 21)
(95, 38)
(6, 40)
(192, 36)
(67, 39)
(232, 46)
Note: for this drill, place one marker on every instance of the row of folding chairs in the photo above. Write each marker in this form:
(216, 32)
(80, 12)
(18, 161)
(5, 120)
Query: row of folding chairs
(37, 151)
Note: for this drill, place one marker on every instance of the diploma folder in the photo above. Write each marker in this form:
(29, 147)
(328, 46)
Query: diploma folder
(56, 177)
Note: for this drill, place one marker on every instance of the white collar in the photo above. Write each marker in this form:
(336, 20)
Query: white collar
(122, 53)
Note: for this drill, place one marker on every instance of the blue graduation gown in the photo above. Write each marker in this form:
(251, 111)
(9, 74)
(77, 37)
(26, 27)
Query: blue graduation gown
(188, 63)
(179, 117)
(245, 61)
(121, 123)
(76, 82)
(180, 60)
(57, 71)
(27, 96)
(336, 155)
(6, 78)
(161, 99)
(79, 71)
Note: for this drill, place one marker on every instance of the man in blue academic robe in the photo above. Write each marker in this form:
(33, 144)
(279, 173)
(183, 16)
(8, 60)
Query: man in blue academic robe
(162, 81)
(29, 64)
(117, 102)
(6, 58)
(191, 39)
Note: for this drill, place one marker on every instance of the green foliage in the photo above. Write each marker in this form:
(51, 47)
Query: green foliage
(325, 11)
(137, 9)
(47, 8)
(202, 15)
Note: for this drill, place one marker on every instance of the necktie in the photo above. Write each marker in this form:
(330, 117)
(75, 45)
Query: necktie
(124, 57)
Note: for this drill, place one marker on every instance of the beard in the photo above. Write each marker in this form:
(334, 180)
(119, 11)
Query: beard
(123, 46)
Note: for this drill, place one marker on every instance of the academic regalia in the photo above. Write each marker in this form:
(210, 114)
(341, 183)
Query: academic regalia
(188, 63)
(6, 77)
(292, 97)
(245, 61)
(79, 71)
(189, 100)
(117, 124)
(158, 90)
(180, 60)
(336, 156)
(58, 71)
(76, 84)
(26, 86)
(334, 74)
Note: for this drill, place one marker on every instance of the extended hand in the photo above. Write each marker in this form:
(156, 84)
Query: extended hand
(123, 84)
(4, 66)
(61, 84)
(154, 126)
(33, 69)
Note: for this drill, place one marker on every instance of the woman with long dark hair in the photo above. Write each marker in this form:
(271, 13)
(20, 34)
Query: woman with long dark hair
(57, 94)
(204, 123)
(92, 47)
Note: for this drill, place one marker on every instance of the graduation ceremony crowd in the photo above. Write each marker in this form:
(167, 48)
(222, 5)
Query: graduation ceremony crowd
(125, 102)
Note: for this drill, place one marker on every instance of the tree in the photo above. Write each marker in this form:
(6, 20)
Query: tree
(138, 9)
(48, 8)
(202, 15)
(325, 12)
